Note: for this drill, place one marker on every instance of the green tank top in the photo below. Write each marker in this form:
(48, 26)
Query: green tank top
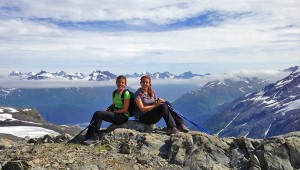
(118, 101)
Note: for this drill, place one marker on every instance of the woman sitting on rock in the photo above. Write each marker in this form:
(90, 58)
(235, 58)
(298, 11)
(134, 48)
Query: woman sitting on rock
(117, 115)
(151, 109)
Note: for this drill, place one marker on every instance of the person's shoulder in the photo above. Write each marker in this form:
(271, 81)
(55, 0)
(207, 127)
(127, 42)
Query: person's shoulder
(114, 92)
(137, 92)
(127, 92)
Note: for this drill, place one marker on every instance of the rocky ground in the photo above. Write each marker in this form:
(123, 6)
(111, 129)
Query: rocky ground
(135, 146)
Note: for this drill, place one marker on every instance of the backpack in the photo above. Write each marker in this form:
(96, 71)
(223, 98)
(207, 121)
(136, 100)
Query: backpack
(132, 104)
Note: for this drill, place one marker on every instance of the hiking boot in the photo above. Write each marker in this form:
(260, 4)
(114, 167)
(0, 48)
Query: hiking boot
(172, 130)
(183, 128)
(91, 141)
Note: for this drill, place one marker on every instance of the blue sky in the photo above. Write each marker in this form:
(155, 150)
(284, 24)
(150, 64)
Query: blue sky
(130, 36)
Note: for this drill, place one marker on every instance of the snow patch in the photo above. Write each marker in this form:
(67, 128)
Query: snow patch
(282, 83)
(273, 104)
(23, 131)
(269, 102)
(228, 124)
(5, 116)
(246, 134)
(11, 110)
(293, 105)
(260, 93)
(259, 98)
(241, 89)
(243, 124)
(267, 131)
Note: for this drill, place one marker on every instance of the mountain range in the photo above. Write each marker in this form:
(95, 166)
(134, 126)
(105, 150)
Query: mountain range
(201, 104)
(270, 111)
(246, 106)
(98, 75)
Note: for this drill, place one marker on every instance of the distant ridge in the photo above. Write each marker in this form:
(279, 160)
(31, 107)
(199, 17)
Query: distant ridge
(98, 75)
(292, 69)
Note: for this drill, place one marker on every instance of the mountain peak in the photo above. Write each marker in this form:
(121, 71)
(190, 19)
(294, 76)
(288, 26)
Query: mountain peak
(270, 111)
(292, 69)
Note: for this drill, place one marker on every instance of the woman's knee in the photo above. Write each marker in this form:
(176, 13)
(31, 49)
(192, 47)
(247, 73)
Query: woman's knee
(97, 114)
(164, 107)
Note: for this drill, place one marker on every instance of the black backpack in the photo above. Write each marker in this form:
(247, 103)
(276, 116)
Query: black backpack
(132, 104)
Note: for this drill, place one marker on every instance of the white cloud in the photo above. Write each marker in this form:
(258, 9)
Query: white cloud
(51, 83)
(252, 33)
(155, 11)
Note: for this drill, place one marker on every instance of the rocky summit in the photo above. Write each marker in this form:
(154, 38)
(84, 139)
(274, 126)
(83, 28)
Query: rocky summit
(136, 146)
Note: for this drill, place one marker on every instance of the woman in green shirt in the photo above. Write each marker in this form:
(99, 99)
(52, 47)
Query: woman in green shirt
(118, 115)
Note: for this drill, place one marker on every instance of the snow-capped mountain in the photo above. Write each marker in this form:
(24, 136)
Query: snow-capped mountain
(21, 75)
(187, 75)
(41, 76)
(59, 74)
(137, 75)
(76, 76)
(273, 110)
(16, 73)
(164, 75)
(102, 76)
(97, 75)
(204, 102)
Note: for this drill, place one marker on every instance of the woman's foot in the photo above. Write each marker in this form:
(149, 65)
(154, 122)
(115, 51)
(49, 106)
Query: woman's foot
(183, 128)
(90, 141)
(172, 130)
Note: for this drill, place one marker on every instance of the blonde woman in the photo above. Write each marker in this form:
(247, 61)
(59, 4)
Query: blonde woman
(151, 109)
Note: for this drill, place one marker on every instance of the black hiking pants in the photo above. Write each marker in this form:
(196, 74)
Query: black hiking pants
(99, 116)
(178, 120)
(161, 111)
